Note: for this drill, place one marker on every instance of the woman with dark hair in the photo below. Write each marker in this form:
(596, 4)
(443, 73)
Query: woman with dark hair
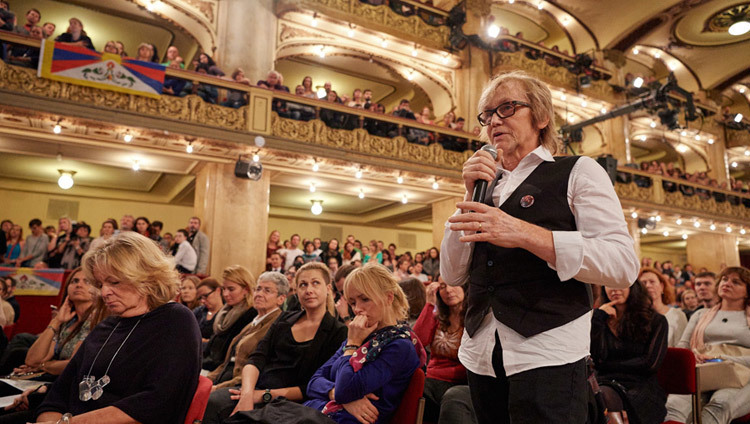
(208, 293)
(416, 296)
(332, 252)
(440, 326)
(662, 295)
(76, 247)
(307, 84)
(723, 333)
(143, 226)
(75, 35)
(105, 233)
(14, 244)
(431, 264)
(350, 254)
(211, 68)
(309, 255)
(628, 345)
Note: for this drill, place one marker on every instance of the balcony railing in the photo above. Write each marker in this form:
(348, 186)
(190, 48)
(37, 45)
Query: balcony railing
(642, 189)
(293, 119)
(405, 19)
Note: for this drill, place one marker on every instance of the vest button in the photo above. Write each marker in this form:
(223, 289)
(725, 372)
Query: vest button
(490, 289)
(490, 263)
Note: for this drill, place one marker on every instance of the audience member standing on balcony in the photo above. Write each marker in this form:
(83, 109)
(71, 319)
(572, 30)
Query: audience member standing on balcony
(14, 245)
(144, 52)
(105, 233)
(64, 229)
(356, 100)
(292, 252)
(307, 83)
(662, 295)
(76, 35)
(186, 258)
(33, 16)
(36, 245)
(237, 98)
(77, 246)
(211, 67)
(48, 28)
(332, 251)
(199, 241)
(110, 47)
(172, 53)
(447, 120)
(309, 255)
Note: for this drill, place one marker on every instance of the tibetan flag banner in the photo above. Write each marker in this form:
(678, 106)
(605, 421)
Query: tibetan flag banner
(35, 282)
(81, 66)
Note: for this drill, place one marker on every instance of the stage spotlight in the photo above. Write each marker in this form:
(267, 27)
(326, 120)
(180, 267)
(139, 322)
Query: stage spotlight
(248, 170)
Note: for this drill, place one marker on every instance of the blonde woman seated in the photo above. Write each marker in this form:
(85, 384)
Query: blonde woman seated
(270, 294)
(123, 371)
(366, 378)
(724, 332)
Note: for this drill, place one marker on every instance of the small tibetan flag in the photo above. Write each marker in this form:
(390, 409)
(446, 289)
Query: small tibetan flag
(81, 66)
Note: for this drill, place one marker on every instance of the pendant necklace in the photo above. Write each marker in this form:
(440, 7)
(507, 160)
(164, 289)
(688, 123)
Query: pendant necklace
(91, 388)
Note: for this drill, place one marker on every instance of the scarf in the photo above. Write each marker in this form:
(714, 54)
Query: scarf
(696, 340)
(371, 349)
(227, 316)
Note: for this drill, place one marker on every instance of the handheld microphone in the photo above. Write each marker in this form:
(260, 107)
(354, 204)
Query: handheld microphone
(480, 186)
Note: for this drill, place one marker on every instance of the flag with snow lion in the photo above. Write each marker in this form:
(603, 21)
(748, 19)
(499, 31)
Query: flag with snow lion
(81, 66)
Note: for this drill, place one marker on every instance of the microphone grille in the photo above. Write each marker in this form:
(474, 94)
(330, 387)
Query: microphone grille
(491, 150)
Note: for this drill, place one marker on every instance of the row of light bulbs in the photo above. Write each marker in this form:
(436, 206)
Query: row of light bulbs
(359, 173)
(696, 224)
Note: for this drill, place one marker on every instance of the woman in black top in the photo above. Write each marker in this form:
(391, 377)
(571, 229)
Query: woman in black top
(76, 35)
(237, 289)
(295, 346)
(121, 373)
(628, 345)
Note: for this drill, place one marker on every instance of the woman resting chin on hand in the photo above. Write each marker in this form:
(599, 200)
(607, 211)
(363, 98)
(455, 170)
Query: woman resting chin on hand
(364, 380)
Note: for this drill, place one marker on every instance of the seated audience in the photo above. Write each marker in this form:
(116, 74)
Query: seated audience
(35, 247)
(143, 227)
(9, 295)
(365, 379)
(121, 373)
(75, 35)
(188, 292)
(208, 293)
(185, 259)
(662, 296)
(416, 295)
(440, 326)
(309, 255)
(235, 98)
(689, 302)
(350, 254)
(298, 111)
(8, 314)
(237, 288)
(108, 229)
(402, 268)
(431, 264)
(207, 92)
(331, 118)
(270, 294)
(25, 55)
(628, 345)
(723, 332)
(332, 252)
(296, 345)
(344, 311)
(210, 65)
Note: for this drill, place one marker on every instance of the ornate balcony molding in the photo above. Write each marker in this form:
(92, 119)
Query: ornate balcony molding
(379, 18)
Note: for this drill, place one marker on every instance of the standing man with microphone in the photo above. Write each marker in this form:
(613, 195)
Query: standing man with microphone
(529, 245)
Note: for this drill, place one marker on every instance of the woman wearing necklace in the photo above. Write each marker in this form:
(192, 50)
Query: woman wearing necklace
(122, 372)
(363, 382)
(721, 332)
(238, 289)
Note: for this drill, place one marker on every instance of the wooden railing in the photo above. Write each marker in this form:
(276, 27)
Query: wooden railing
(643, 189)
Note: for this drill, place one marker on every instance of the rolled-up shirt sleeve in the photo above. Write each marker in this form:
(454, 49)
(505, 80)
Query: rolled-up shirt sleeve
(601, 251)
(455, 256)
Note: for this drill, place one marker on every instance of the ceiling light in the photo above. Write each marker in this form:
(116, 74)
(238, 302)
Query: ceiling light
(672, 66)
(738, 117)
(151, 5)
(710, 141)
(697, 224)
(652, 124)
(642, 137)
(57, 129)
(404, 199)
(321, 51)
(350, 31)
(315, 166)
(410, 75)
(684, 236)
(747, 152)
(136, 165)
(739, 28)
(657, 218)
(665, 233)
(256, 157)
(682, 148)
(563, 97)
(742, 90)
(712, 227)
(635, 50)
(189, 147)
(634, 215)
(565, 21)
(445, 59)
(383, 43)
(317, 207)
(657, 55)
(414, 51)
(435, 185)
(683, 133)
(678, 221)
(511, 1)
(400, 179)
(358, 174)
(604, 110)
(312, 188)
(540, 6)
(361, 193)
(66, 179)
(742, 231)
(729, 229)
(734, 164)
(493, 31)
(644, 231)
(638, 82)
(127, 137)
(314, 22)
(584, 103)
(697, 137)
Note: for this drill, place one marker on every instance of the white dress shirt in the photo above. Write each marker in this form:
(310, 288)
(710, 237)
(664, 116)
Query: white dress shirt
(186, 256)
(600, 251)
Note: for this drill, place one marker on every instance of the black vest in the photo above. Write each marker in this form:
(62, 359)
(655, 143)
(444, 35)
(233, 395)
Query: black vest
(523, 291)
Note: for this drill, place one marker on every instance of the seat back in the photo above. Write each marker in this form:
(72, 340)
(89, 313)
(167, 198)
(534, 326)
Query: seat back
(200, 401)
(412, 405)
(8, 330)
(677, 373)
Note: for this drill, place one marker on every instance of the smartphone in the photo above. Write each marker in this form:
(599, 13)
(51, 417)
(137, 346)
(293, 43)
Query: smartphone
(715, 360)
(52, 307)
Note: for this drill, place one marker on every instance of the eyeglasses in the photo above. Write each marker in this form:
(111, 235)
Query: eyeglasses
(205, 296)
(504, 110)
(266, 290)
